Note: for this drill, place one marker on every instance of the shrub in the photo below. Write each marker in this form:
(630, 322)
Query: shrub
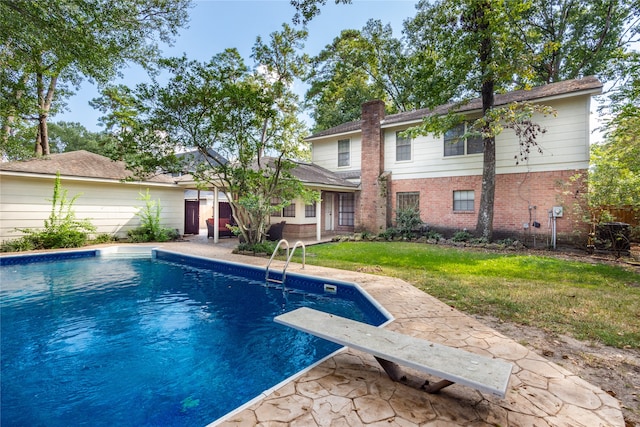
(408, 220)
(434, 235)
(266, 247)
(150, 229)
(389, 233)
(103, 238)
(462, 236)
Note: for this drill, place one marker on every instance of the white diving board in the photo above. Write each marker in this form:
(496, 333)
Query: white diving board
(391, 349)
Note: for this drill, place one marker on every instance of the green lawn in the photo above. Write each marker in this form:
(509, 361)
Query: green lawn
(589, 301)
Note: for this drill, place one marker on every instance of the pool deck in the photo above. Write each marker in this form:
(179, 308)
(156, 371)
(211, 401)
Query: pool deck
(350, 388)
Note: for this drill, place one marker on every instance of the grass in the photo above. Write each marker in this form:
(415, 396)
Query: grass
(596, 302)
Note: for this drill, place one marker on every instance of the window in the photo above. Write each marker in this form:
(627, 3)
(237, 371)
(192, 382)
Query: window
(289, 211)
(310, 210)
(463, 200)
(403, 148)
(454, 145)
(409, 200)
(346, 210)
(274, 203)
(344, 152)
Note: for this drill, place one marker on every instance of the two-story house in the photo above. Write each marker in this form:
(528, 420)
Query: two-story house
(442, 175)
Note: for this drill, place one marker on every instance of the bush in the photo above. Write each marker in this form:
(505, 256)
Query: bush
(103, 238)
(18, 245)
(261, 247)
(434, 235)
(462, 236)
(150, 229)
(389, 233)
(408, 221)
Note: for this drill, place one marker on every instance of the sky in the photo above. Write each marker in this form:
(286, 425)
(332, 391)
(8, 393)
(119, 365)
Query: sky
(215, 25)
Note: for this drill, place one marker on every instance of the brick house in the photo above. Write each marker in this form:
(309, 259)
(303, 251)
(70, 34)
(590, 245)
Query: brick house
(442, 175)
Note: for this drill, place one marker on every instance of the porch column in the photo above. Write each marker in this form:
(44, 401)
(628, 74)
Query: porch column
(319, 220)
(216, 215)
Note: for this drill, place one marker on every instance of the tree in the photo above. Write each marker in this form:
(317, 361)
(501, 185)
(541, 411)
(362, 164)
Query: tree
(47, 48)
(500, 46)
(363, 65)
(242, 121)
(485, 59)
(306, 10)
(614, 179)
(566, 39)
(72, 136)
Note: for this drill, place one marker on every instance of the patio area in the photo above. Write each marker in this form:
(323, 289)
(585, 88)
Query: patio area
(350, 389)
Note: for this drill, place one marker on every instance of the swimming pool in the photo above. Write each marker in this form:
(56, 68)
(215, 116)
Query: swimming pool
(141, 340)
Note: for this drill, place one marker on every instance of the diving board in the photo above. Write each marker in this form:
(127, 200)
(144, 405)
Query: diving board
(391, 349)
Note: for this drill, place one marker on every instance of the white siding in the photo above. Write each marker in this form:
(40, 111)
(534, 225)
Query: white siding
(325, 153)
(565, 146)
(25, 202)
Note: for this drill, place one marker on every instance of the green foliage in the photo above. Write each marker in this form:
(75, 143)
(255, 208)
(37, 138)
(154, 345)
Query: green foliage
(408, 221)
(225, 110)
(462, 236)
(150, 229)
(359, 66)
(103, 238)
(70, 136)
(434, 235)
(49, 47)
(390, 233)
(61, 229)
(265, 247)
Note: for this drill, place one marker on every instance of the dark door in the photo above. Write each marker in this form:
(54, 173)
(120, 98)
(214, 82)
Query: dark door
(191, 217)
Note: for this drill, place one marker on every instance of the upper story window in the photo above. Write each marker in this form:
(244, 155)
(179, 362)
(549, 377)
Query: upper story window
(344, 152)
(455, 145)
(403, 148)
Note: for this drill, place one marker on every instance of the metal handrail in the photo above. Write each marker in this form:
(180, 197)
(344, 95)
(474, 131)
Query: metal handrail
(304, 257)
(275, 251)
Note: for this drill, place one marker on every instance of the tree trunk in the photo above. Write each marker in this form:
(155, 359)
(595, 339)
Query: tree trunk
(484, 226)
(44, 104)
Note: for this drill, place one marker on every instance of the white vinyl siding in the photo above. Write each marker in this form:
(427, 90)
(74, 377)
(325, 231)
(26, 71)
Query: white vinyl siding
(565, 147)
(111, 207)
(325, 152)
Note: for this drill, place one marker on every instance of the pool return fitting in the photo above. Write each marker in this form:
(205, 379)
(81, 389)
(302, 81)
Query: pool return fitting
(289, 256)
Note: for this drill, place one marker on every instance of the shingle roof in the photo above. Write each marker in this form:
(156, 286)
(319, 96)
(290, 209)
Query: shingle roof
(78, 164)
(588, 84)
(309, 173)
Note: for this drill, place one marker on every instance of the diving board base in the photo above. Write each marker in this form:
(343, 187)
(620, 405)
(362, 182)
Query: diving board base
(392, 350)
(394, 371)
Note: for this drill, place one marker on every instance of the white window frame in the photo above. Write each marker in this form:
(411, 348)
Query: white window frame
(344, 156)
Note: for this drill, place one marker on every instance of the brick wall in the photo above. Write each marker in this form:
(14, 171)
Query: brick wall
(371, 213)
(520, 198)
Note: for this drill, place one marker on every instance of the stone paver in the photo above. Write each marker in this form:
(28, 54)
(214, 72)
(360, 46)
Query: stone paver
(350, 389)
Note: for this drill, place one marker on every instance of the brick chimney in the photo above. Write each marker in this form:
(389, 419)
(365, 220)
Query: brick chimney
(373, 187)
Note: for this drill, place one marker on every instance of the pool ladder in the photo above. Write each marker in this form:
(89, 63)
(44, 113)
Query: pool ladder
(289, 256)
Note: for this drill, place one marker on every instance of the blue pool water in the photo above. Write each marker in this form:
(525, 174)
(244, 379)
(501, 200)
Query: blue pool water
(169, 341)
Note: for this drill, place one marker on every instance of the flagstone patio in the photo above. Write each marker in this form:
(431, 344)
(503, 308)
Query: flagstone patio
(350, 389)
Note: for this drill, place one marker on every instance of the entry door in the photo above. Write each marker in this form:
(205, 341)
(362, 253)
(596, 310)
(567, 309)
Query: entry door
(328, 212)
(191, 217)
